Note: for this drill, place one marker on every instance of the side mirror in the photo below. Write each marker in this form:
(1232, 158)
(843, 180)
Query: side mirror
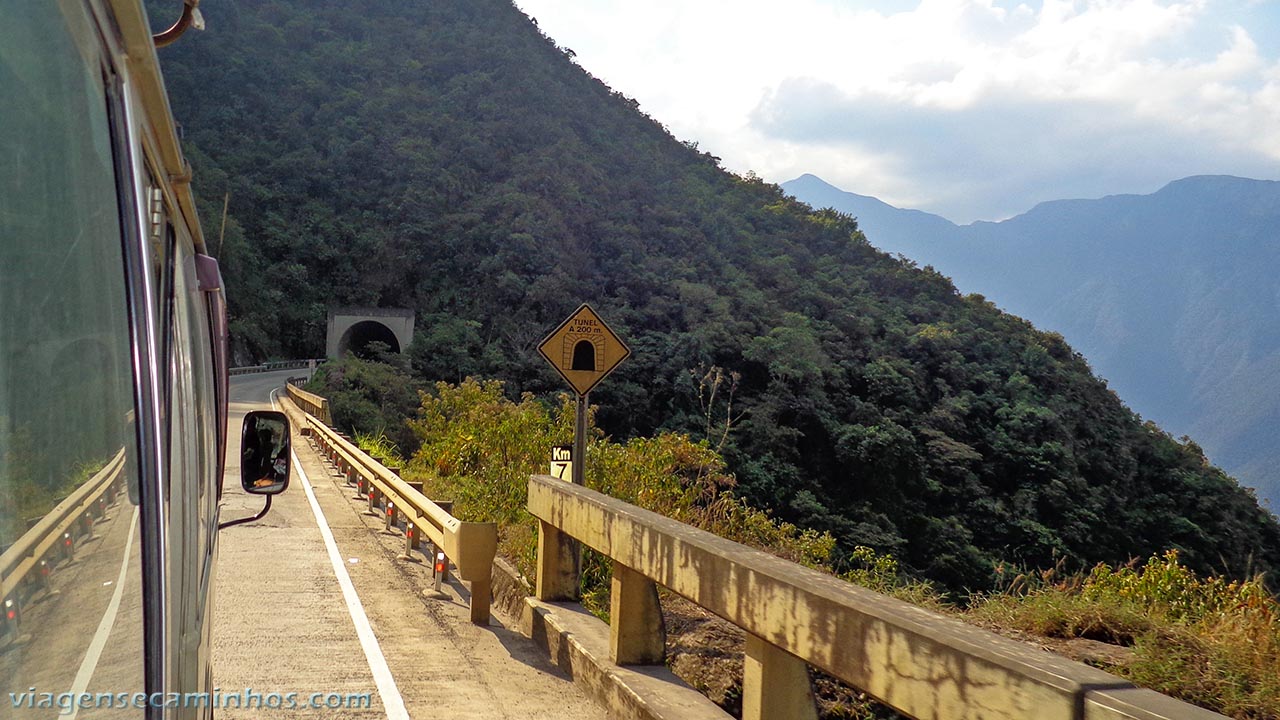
(264, 453)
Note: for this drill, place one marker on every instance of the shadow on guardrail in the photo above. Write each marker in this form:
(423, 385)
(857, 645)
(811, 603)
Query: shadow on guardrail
(27, 564)
(471, 546)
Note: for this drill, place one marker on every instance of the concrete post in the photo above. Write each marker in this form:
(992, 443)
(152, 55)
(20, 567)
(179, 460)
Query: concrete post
(775, 684)
(481, 599)
(559, 562)
(636, 632)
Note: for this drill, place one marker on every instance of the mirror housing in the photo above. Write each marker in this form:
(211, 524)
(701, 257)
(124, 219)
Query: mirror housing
(265, 452)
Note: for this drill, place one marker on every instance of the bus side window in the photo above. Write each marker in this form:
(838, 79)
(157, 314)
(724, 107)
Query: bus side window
(68, 428)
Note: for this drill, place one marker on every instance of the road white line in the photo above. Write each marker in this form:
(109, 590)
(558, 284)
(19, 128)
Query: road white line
(94, 653)
(391, 700)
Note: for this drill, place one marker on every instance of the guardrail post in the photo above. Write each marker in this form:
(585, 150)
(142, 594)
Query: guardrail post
(373, 500)
(775, 683)
(559, 564)
(481, 598)
(636, 633)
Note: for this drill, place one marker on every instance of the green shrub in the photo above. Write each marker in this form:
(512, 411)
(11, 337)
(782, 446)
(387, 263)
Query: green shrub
(478, 448)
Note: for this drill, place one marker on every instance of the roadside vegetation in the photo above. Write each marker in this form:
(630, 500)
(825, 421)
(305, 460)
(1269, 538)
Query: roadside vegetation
(1208, 640)
(478, 448)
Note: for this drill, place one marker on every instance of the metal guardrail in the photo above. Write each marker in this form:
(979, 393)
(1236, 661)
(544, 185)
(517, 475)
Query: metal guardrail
(471, 546)
(31, 558)
(273, 366)
(921, 663)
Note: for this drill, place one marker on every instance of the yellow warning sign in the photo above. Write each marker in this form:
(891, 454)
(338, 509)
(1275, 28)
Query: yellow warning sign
(583, 349)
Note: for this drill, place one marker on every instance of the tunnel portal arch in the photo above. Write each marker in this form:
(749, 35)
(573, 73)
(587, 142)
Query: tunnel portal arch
(359, 336)
(352, 329)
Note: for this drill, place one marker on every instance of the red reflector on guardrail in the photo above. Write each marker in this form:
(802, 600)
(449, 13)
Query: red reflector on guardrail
(440, 563)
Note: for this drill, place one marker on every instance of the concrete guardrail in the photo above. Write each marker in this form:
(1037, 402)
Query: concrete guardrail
(310, 403)
(471, 546)
(32, 557)
(919, 662)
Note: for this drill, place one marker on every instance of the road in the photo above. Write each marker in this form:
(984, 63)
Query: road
(299, 612)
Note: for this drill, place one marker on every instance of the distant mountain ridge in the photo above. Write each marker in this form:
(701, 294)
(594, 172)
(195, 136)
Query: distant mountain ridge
(1173, 296)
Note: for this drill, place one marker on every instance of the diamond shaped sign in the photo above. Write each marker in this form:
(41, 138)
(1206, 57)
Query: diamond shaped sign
(583, 349)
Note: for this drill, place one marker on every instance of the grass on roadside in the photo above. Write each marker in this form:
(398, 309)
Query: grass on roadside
(1209, 641)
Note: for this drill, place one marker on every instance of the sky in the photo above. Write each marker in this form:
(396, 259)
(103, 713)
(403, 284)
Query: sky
(971, 109)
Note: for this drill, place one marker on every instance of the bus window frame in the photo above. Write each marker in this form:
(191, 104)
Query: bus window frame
(130, 172)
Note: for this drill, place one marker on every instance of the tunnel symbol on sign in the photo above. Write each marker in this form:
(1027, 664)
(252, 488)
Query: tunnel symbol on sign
(584, 354)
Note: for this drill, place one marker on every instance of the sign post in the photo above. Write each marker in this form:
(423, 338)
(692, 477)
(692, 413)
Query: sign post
(583, 350)
(580, 441)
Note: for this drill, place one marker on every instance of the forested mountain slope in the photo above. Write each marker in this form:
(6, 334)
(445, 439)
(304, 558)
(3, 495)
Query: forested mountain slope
(1172, 296)
(448, 157)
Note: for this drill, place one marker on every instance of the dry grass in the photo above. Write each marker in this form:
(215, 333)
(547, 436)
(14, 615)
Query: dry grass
(1209, 641)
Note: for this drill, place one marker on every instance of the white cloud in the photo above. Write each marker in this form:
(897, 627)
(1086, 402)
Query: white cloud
(971, 108)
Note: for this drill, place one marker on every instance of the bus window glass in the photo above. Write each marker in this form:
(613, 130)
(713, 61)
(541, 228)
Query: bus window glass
(70, 575)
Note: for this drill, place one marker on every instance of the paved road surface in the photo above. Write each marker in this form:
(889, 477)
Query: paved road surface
(283, 623)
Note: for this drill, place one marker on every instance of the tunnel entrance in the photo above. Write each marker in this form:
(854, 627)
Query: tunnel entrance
(351, 330)
(357, 339)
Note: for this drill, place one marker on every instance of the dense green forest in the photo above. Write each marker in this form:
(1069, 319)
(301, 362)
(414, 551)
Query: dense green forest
(448, 157)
